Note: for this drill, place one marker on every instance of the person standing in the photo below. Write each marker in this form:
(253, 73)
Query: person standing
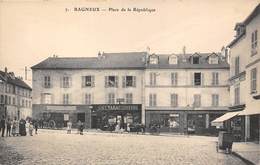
(36, 125)
(31, 129)
(8, 127)
(79, 126)
(69, 125)
(15, 127)
(3, 125)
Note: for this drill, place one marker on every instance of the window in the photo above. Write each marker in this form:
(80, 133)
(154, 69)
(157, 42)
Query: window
(253, 80)
(197, 78)
(47, 81)
(173, 60)
(195, 60)
(215, 100)
(174, 100)
(66, 82)
(111, 81)
(213, 60)
(152, 79)
(47, 97)
(237, 95)
(88, 81)
(111, 98)
(152, 100)
(66, 98)
(153, 59)
(254, 43)
(174, 78)
(2, 99)
(129, 81)
(88, 98)
(13, 100)
(129, 98)
(237, 65)
(215, 78)
(197, 100)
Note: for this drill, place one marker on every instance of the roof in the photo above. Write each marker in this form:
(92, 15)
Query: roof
(249, 18)
(14, 80)
(134, 60)
(128, 60)
(184, 62)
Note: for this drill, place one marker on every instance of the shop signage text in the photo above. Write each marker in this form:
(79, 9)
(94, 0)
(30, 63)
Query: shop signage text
(117, 107)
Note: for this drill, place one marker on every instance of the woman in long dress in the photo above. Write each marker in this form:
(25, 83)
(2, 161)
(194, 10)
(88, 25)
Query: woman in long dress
(15, 127)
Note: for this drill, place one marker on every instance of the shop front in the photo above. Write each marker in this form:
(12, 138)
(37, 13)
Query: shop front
(107, 116)
(183, 121)
(57, 116)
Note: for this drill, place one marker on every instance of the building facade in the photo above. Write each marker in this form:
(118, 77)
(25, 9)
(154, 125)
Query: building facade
(245, 79)
(15, 96)
(178, 92)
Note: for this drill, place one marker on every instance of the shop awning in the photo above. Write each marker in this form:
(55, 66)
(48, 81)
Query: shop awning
(221, 119)
(252, 112)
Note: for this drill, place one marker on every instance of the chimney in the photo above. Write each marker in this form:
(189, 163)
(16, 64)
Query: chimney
(5, 73)
(184, 50)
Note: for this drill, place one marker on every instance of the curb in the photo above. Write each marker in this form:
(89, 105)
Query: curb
(248, 162)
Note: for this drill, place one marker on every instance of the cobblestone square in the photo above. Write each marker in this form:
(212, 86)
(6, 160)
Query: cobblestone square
(57, 147)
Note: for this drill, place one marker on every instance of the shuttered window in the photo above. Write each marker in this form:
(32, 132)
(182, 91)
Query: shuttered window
(253, 80)
(174, 100)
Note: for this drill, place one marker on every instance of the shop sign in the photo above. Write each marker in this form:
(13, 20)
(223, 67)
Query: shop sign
(117, 107)
(174, 115)
(66, 117)
(62, 108)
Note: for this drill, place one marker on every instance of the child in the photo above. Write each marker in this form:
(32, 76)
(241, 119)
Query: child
(31, 129)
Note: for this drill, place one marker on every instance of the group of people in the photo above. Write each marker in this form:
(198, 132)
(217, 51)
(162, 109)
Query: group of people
(17, 127)
(80, 126)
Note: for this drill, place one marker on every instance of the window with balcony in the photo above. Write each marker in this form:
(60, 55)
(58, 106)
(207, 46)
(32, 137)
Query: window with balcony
(237, 62)
(197, 100)
(152, 79)
(237, 95)
(111, 98)
(66, 98)
(174, 100)
(174, 78)
(46, 98)
(215, 100)
(254, 43)
(152, 100)
(129, 98)
(253, 79)
(88, 99)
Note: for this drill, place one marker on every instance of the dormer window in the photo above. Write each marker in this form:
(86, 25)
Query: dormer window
(153, 59)
(195, 60)
(213, 60)
(173, 59)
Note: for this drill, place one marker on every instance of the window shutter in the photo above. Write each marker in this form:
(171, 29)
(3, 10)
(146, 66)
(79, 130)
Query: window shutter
(123, 81)
(217, 78)
(83, 81)
(92, 81)
(134, 81)
(70, 81)
(151, 78)
(116, 79)
(150, 100)
(176, 78)
(202, 79)
(70, 98)
(155, 100)
(192, 78)
(106, 81)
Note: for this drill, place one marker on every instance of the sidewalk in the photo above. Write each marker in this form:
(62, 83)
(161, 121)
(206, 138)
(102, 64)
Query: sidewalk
(247, 151)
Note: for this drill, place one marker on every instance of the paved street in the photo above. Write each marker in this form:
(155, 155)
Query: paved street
(57, 147)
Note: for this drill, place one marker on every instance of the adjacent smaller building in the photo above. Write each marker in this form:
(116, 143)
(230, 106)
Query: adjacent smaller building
(15, 96)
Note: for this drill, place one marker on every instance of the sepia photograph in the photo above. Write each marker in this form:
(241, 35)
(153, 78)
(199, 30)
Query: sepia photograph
(129, 82)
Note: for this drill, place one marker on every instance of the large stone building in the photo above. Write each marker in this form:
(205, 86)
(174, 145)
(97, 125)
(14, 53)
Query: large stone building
(178, 92)
(15, 96)
(245, 79)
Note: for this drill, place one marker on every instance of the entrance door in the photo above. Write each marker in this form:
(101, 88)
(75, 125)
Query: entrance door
(254, 127)
(81, 117)
(94, 122)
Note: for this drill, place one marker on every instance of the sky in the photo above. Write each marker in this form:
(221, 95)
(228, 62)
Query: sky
(33, 30)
